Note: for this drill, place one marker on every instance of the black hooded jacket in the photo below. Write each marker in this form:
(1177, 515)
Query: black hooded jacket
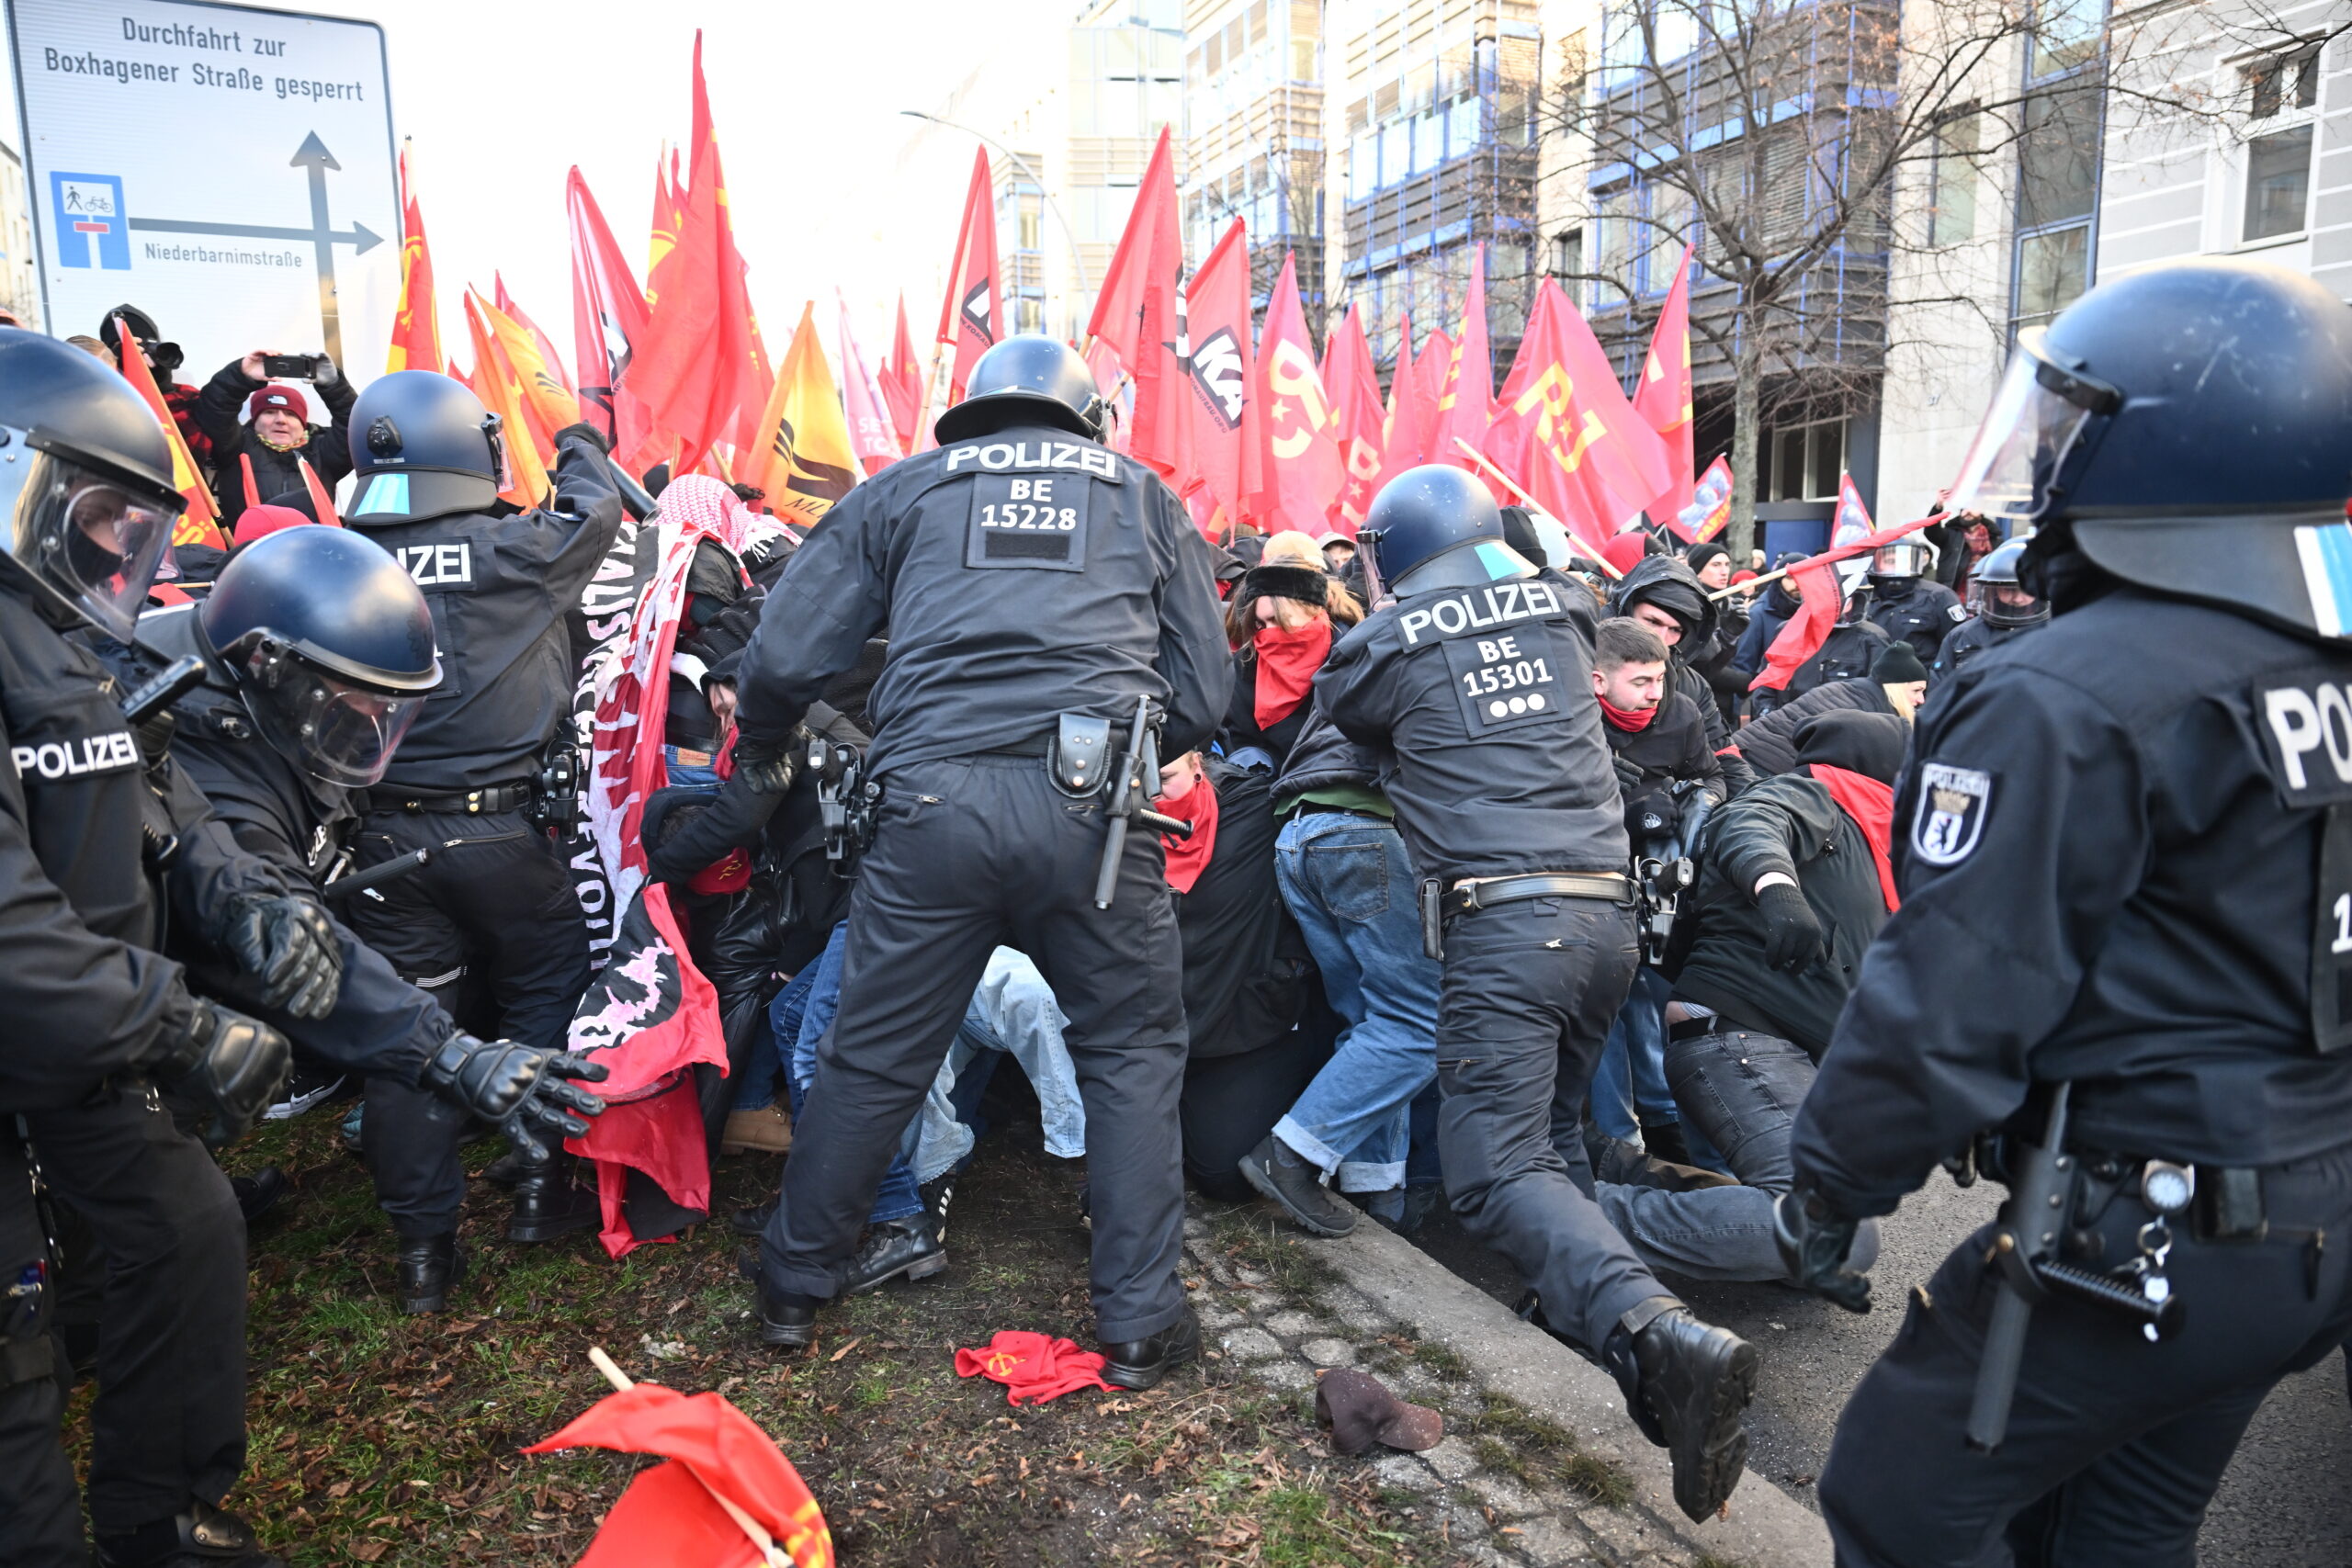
(1668, 582)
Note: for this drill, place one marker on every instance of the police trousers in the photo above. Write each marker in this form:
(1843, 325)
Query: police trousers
(40, 1512)
(2136, 1434)
(1528, 992)
(970, 855)
(169, 1423)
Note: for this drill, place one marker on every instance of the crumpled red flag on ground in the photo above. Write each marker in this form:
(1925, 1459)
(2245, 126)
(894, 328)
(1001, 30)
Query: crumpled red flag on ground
(1033, 1367)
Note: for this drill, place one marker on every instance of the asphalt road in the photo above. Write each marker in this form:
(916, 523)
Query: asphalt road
(2283, 1504)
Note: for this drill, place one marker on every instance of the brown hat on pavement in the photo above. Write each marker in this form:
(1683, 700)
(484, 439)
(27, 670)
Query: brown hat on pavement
(1361, 1411)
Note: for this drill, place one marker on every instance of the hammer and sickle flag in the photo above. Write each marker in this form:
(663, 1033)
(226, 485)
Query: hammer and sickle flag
(804, 459)
(1291, 448)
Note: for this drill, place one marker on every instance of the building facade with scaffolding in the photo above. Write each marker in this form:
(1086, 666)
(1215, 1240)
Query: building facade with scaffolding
(1253, 138)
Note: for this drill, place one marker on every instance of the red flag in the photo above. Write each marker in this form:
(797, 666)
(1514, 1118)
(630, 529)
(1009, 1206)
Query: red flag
(1404, 438)
(1138, 314)
(869, 426)
(972, 316)
(1216, 325)
(1436, 359)
(669, 198)
(1293, 426)
(1465, 401)
(1354, 387)
(1853, 519)
(904, 384)
(1710, 506)
(1565, 430)
(321, 502)
(546, 345)
(671, 1517)
(416, 327)
(699, 366)
(200, 522)
(1663, 396)
(1824, 596)
(608, 321)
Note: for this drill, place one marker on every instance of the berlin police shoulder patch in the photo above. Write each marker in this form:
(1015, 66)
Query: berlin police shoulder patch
(1949, 817)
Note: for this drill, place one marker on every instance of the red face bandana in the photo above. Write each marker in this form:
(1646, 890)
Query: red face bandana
(1287, 661)
(1627, 719)
(1187, 858)
(1871, 806)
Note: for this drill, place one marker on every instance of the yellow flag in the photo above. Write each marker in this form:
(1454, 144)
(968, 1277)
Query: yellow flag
(803, 459)
(546, 402)
(494, 383)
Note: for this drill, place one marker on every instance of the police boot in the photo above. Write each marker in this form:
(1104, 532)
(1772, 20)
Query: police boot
(259, 1193)
(429, 1266)
(893, 1249)
(203, 1537)
(1278, 1173)
(1685, 1383)
(548, 1203)
(1140, 1364)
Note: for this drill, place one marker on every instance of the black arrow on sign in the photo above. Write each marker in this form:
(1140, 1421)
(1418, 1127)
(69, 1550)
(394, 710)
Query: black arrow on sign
(312, 155)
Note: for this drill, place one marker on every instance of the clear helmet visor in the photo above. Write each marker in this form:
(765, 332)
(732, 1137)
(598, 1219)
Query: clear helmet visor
(2005, 604)
(91, 540)
(2020, 445)
(337, 732)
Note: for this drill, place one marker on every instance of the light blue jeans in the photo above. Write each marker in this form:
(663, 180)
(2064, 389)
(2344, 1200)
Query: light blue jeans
(1629, 1083)
(1349, 885)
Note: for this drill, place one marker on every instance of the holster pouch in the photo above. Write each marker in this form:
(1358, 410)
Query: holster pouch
(2229, 1204)
(1079, 760)
(1433, 919)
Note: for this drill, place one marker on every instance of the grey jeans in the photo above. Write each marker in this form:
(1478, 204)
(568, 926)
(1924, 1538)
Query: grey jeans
(1741, 1089)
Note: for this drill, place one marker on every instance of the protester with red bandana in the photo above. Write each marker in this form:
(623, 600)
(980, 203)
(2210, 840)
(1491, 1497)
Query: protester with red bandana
(1280, 623)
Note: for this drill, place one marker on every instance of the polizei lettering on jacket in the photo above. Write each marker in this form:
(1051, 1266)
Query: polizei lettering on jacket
(2305, 724)
(998, 455)
(1497, 603)
(72, 759)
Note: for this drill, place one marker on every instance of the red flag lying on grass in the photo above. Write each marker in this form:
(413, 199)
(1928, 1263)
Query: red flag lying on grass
(672, 1515)
(1033, 1367)
(1824, 597)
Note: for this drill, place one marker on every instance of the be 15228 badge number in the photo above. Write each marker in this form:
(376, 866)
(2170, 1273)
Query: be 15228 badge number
(1949, 817)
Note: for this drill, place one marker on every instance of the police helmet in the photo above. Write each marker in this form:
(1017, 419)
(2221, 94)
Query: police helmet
(423, 446)
(85, 482)
(1998, 597)
(2188, 428)
(1907, 557)
(1030, 379)
(331, 645)
(165, 357)
(1434, 527)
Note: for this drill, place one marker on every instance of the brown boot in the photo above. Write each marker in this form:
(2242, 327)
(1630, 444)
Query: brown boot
(768, 1131)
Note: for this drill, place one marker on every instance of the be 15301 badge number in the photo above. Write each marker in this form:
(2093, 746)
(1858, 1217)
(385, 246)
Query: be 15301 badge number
(1949, 817)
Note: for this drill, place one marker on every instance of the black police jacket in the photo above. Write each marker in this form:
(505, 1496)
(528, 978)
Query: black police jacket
(1769, 743)
(1483, 698)
(499, 588)
(1021, 575)
(1787, 824)
(280, 816)
(1968, 640)
(2110, 861)
(1918, 610)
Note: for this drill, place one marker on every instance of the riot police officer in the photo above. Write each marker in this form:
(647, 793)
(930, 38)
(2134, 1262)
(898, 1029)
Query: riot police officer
(1906, 602)
(493, 929)
(2003, 607)
(99, 1020)
(2144, 830)
(317, 650)
(1477, 680)
(1036, 586)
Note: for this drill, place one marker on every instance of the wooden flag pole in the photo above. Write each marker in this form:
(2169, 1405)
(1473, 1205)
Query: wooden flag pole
(1529, 501)
(1753, 583)
(770, 1553)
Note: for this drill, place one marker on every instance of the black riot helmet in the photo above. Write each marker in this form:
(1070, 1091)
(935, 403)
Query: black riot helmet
(165, 357)
(1998, 597)
(1030, 379)
(85, 484)
(331, 645)
(423, 446)
(1434, 527)
(2188, 428)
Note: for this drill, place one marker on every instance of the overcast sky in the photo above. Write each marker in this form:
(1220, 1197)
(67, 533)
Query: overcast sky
(500, 97)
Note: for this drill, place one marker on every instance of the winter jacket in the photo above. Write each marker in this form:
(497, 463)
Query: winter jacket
(1671, 748)
(328, 451)
(1769, 743)
(1668, 582)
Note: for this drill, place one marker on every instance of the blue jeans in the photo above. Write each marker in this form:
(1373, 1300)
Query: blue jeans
(1013, 1013)
(1349, 885)
(1629, 1086)
(899, 1197)
(700, 775)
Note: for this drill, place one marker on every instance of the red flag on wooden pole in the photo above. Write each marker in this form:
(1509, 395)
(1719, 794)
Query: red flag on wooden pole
(1289, 416)
(1216, 322)
(1139, 314)
(608, 324)
(1354, 388)
(972, 316)
(1465, 401)
(1663, 396)
(416, 325)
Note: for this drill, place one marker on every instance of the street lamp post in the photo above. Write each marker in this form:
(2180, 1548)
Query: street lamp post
(1077, 263)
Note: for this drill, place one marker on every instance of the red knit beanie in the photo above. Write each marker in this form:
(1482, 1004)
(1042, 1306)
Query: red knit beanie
(274, 396)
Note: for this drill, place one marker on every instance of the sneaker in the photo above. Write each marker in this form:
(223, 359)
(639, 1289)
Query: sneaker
(768, 1131)
(307, 1086)
(937, 1193)
(1281, 1175)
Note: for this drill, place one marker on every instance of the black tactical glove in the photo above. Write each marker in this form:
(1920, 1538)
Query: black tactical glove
(229, 1065)
(495, 1079)
(588, 432)
(288, 945)
(1793, 938)
(1814, 1240)
(1629, 777)
(769, 767)
(1649, 815)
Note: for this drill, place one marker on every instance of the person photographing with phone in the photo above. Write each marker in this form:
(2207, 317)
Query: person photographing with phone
(255, 423)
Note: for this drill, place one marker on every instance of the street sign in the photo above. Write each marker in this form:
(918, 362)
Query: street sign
(228, 170)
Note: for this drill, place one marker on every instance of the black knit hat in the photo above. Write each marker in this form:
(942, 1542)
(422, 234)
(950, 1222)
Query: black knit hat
(1280, 581)
(1698, 555)
(1867, 743)
(1897, 665)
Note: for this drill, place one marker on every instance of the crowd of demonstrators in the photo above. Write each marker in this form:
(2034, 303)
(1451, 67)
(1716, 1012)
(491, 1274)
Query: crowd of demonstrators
(1475, 877)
